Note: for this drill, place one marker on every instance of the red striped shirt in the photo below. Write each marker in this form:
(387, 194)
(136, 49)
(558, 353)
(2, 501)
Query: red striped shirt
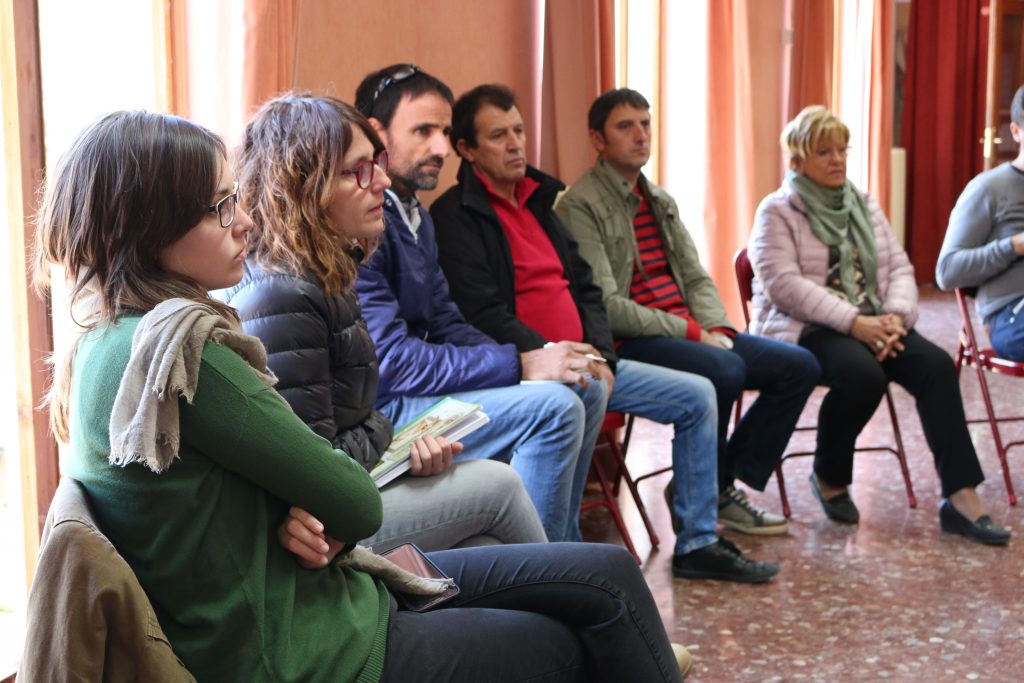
(653, 285)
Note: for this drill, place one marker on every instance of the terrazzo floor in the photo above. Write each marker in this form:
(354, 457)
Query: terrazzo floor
(892, 598)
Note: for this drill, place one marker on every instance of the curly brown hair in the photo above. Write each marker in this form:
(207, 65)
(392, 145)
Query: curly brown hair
(291, 153)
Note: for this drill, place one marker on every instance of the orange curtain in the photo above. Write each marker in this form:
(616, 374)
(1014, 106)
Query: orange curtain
(880, 121)
(744, 119)
(579, 63)
(269, 53)
(729, 208)
(811, 63)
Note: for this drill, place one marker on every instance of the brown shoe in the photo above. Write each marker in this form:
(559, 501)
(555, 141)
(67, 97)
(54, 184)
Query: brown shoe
(683, 658)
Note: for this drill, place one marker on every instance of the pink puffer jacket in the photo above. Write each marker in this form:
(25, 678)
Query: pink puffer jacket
(790, 265)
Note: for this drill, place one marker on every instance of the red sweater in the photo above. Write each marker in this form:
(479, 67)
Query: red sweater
(543, 299)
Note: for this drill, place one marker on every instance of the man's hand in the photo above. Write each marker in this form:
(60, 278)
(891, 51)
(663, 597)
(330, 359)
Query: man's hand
(1018, 243)
(711, 340)
(565, 361)
(605, 373)
(432, 455)
(303, 535)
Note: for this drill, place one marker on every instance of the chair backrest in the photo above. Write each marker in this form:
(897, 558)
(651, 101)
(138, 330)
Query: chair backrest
(744, 280)
(85, 591)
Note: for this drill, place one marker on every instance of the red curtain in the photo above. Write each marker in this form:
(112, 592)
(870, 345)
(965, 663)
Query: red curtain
(941, 119)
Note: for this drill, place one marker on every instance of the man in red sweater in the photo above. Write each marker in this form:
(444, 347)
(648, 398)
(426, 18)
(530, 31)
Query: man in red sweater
(515, 273)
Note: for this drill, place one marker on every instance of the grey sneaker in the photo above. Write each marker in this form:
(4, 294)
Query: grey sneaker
(736, 512)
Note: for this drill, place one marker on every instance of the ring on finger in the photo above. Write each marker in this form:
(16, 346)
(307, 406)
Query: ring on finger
(879, 344)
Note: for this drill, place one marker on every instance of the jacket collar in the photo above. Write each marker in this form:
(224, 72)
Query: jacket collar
(474, 194)
(614, 183)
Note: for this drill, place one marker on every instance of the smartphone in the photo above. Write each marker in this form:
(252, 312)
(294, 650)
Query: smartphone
(410, 558)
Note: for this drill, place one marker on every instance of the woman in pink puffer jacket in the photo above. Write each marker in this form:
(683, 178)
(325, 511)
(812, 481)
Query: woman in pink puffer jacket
(831, 277)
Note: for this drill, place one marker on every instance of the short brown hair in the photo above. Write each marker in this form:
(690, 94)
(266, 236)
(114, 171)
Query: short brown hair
(291, 154)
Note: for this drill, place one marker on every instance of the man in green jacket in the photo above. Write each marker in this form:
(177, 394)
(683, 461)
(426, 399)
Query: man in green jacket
(664, 309)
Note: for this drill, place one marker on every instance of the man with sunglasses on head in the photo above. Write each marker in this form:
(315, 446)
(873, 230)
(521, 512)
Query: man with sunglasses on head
(542, 427)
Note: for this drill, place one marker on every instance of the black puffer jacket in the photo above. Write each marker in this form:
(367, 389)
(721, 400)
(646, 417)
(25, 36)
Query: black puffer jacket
(322, 354)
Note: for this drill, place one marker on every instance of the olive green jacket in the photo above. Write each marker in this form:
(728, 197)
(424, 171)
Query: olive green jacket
(599, 211)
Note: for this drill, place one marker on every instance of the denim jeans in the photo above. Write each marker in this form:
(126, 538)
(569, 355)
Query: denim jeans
(475, 502)
(538, 428)
(784, 374)
(687, 402)
(553, 612)
(1006, 331)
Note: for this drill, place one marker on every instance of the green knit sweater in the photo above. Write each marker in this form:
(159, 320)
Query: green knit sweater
(201, 537)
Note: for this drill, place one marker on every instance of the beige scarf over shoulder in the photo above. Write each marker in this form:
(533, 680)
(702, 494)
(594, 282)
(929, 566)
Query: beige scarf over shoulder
(167, 349)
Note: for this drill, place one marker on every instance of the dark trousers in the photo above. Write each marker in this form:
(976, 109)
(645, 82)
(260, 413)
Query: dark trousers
(784, 374)
(544, 612)
(857, 383)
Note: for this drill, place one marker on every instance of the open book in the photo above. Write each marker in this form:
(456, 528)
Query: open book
(449, 417)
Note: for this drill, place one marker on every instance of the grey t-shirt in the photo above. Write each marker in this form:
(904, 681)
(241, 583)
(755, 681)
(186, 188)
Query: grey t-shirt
(977, 251)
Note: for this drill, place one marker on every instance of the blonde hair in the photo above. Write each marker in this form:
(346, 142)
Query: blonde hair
(804, 134)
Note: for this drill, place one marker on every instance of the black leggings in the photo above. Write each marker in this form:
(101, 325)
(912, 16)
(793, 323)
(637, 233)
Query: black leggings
(857, 383)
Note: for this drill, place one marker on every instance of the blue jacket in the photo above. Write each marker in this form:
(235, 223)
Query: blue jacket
(424, 345)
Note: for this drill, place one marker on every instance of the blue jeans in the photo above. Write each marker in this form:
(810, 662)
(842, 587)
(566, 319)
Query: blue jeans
(784, 374)
(539, 429)
(687, 402)
(552, 612)
(1006, 332)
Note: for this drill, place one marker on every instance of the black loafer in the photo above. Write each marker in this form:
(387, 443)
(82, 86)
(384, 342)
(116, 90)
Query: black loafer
(838, 508)
(984, 530)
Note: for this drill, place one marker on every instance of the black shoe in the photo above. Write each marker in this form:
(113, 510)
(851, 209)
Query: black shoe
(838, 508)
(722, 561)
(671, 508)
(982, 531)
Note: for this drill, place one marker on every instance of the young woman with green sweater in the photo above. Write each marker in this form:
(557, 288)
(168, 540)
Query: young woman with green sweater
(195, 467)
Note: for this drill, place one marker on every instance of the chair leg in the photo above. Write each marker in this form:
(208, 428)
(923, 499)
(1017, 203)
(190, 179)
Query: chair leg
(901, 454)
(782, 490)
(613, 507)
(620, 457)
(992, 422)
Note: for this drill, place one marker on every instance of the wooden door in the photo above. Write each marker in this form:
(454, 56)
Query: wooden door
(1005, 75)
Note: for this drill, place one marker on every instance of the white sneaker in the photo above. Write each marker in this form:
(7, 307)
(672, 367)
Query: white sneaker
(736, 512)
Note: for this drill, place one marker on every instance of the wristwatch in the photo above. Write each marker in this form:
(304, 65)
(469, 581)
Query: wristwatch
(723, 339)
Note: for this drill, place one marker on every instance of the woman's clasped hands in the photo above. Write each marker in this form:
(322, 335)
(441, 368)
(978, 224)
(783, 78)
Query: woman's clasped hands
(880, 333)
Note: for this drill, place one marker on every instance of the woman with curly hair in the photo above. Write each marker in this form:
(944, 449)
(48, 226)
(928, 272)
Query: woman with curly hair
(317, 213)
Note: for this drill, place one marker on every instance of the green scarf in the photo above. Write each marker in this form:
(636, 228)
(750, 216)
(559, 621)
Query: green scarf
(835, 213)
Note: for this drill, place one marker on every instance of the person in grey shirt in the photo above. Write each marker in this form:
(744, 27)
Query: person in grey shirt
(985, 241)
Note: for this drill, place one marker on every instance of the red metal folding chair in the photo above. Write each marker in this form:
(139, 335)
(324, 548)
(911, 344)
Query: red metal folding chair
(609, 471)
(986, 359)
(745, 280)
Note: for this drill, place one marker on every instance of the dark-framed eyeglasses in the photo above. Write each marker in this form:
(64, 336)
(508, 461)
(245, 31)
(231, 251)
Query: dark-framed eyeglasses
(363, 171)
(225, 208)
(406, 72)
